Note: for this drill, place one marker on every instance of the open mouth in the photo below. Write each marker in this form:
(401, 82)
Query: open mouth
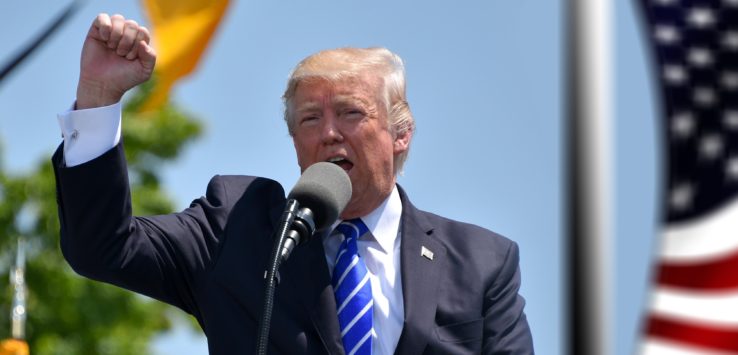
(344, 163)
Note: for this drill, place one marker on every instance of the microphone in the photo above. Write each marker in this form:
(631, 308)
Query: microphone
(321, 194)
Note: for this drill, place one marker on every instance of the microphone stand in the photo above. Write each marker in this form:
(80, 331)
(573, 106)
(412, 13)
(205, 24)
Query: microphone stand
(288, 217)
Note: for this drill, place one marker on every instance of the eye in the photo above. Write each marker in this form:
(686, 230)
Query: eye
(308, 119)
(353, 113)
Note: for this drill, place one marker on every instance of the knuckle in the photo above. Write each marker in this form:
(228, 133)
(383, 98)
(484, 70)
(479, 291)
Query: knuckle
(102, 21)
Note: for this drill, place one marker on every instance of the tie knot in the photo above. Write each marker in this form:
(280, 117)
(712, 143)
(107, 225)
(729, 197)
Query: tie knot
(352, 228)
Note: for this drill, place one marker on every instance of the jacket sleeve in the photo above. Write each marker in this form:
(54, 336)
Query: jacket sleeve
(506, 328)
(158, 256)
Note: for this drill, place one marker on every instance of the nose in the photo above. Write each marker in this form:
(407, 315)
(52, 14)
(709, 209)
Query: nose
(330, 132)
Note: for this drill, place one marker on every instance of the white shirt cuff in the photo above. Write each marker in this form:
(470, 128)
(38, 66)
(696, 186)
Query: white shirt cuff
(89, 133)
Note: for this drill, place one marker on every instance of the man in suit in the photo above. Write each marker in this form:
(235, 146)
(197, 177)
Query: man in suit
(433, 285)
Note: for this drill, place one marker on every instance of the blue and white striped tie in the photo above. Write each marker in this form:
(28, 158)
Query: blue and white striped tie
(353, 291)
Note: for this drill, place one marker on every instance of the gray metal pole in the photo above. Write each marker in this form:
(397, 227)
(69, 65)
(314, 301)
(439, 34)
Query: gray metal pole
(588, 181)
(17, 279)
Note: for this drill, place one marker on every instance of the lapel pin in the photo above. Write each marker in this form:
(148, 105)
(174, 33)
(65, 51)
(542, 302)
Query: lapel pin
(425, 252)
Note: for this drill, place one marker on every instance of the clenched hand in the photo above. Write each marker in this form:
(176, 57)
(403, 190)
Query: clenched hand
(116, 56)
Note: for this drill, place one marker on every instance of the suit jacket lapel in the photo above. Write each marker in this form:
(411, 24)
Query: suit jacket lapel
(420, 275)
(308, 271)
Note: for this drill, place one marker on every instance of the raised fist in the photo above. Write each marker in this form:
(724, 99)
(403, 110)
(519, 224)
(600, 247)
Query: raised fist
(116, 56)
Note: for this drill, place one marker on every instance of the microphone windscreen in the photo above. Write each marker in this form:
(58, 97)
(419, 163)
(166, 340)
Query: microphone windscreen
(325, 189)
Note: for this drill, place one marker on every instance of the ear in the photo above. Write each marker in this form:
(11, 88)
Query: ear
(402, 142)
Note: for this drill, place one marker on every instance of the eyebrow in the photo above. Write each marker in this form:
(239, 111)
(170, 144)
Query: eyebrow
(308, 106)
(351, 99)
(337, 100)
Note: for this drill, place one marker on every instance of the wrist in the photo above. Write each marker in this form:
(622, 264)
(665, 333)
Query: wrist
(91, 95)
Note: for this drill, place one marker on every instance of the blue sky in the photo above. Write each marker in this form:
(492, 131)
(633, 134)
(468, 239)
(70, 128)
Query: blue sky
(637, 178)
(485, 86)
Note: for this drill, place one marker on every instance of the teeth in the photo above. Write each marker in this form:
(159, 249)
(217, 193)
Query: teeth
(334, 159)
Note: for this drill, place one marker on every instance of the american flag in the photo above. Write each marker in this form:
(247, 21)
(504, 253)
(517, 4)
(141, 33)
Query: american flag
(693, 305)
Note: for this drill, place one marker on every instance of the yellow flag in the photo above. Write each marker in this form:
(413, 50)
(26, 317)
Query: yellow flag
(14, 347)
(181, 30)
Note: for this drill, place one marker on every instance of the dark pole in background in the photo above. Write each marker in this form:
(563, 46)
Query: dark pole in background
(50, 29)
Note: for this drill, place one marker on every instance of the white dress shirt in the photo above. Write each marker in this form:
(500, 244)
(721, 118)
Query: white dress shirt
(90, 133)
(380, 250)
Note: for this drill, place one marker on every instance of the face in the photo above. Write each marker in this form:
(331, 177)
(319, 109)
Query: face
(345, 122)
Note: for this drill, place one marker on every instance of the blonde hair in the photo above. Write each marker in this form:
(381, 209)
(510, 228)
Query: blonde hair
(336, 64)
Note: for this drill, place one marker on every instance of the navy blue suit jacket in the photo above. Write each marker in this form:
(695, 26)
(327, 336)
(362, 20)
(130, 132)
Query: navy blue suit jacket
(209, 260)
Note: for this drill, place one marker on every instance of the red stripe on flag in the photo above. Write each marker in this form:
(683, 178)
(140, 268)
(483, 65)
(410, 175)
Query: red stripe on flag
(716, 274)
(690, 333)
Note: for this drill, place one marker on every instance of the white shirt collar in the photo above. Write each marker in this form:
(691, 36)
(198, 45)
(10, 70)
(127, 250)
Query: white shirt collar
(384, 221)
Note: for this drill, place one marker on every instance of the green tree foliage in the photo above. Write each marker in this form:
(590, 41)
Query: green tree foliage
(68, 314)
